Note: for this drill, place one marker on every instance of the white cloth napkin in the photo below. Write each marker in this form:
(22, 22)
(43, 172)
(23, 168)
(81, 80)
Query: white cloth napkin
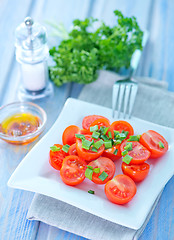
(151, 98)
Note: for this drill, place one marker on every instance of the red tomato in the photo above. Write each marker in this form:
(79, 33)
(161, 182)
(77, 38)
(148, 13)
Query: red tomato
(121, 189)
(150, 140)
(72, 150)
(122, 125)
(56, 158)
(88, 155)
(136, 172)
(68, 136)
(138, 153)
(85, 131)
(106, 165)
(73, 170)
(109, 153)
(90, 119)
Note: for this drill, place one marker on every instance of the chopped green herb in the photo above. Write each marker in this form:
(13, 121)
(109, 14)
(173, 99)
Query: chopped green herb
(91, 192)
(127, 159)
(161, 145)
(108, 144)
(96, 170)
(116, 133)
(90, 167)
(121, 136)
(98, 144)
(134, 138)
(104, 137)
(81, 136)
(88, 173)
(95, 135)
(94, 149)
(103, 176)
(117, 142)
(65, 148)
(115, 152)
(105, 130)
(55, 148)
(109, 134)
(128, 146)
(125, 132)
(86, 144)
(124, 153)
(94, 128)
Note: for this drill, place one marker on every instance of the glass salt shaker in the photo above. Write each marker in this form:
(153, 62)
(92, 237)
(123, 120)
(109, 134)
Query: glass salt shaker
(32, 53)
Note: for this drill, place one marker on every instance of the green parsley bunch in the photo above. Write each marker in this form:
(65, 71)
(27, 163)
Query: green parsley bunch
(79, 57)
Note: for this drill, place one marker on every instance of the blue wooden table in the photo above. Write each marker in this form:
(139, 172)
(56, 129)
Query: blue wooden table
(157, 61)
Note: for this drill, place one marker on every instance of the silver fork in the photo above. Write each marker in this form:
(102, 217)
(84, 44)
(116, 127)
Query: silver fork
(123, 97)
(125, 90)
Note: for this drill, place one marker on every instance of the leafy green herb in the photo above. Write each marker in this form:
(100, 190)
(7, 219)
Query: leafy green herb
(103, 176)
(91, 192)
(115, 152)
(128, 146)
(94, 149)
(82, 52)
(109, 134)
(108, 144)
(104, 137)
(127, 159)
(65, 148)
(55, 148)
(86, 144)
(95, 135)
(98, 144)
(134, 138)
(161, 145)
(81, 136)
(124, 153)
(94, 128)
(96, 170)
(88, 173)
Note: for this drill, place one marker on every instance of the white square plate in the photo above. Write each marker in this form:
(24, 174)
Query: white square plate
(35, 174)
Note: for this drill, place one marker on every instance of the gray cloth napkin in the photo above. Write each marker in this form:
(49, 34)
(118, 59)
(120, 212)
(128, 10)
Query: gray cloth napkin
(151, 102)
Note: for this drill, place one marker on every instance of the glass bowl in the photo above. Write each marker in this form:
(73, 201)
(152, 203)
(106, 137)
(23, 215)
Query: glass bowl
(22, 107)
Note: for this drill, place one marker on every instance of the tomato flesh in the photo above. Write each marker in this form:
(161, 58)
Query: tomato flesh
(56, 157)
(72, 150)
(138, 153)
(106, 165)
(73, 170)
(150, 140)
(88, 120)
(121, 189)
(88, 155)
(136, 172)
(122, 126)
(109, 153)
(68, 136)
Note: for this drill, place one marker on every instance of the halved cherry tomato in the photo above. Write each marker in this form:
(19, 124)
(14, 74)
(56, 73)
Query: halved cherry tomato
(90, 119)
(150, 140)
(138, 153)
(122, 125)
(72, 150)
(121, 189)
(68, 136)
(136, 172)
(88, 155)
(109, 153)
(56, 158)
(85, 131)
(73, 170)
(106, 165)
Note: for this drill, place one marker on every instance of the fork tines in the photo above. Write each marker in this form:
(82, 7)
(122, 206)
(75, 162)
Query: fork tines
(123, 97)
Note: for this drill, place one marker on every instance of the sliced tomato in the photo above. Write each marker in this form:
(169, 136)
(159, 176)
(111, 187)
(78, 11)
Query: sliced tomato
(136, 172)
(88, 120)
(109, 153)
(68, 136)
(85, 131)
(56, 157)
(150, 140)
(72, 150)
(106, 165)
(88, 155)
(121, 189)
(73, 170)
(138, 153)
(122, 125)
